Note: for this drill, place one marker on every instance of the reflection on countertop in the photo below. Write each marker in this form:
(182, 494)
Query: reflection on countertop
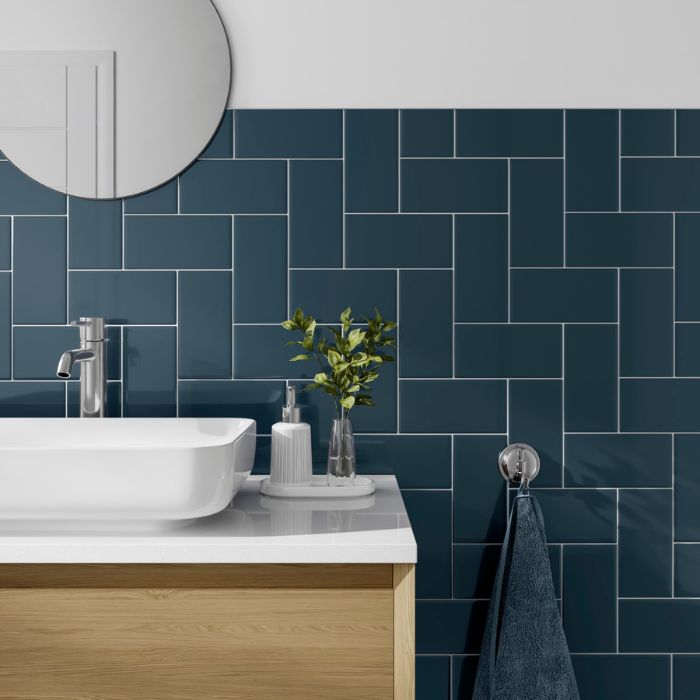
(254, 529)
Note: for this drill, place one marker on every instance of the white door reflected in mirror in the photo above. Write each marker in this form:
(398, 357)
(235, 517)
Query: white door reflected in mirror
(110, 98)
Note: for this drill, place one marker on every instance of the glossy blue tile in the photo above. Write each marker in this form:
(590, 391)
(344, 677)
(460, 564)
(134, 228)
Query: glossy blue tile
(660, 626)
(590, 598)
(463, 676)
(441, 185)
(579, 516)
(687, 350)
(150, 372)
(432, 678)
(475, 568)
(37, 350)
(124, 297)
(20, 194)
(509, 132)
(647, 132)
(204, 325)
(618, 460)
(505, 350)
(32, 400)
(168, 242)
(234, 187)
(425, 294)
(659, 405)
(646, 323)
(661, 184)
(686, 670)
(688, 132)
(261, 401)
(315, 213)
(687, 570)
(535, 418)
(221, 144)
(450, 626)
(113, 405)
(618, 677)
(289, 133)
(590, 378)
(325, 293)
(5, 324)
(592, 160)
(429, 512)
(260, 269)
(564, 296)
(481, 268)
(95, 233)
(537, 213)
(479, 491)
(5, 243)
(381, 240)
(418, 461)
(646, 543)
(39, 254)
(371, 160)
(261, 352)
(452, 406)
(687, 257)
(687, 488)
(162, 200)
(427, 132)
(619, 240)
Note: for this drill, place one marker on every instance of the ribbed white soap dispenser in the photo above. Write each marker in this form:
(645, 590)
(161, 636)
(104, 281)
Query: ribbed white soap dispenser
(290, 461)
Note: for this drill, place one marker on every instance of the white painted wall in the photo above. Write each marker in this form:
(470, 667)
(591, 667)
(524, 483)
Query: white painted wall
(464, 53)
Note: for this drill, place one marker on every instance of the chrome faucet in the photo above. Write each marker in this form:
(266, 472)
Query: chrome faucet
(91, 358)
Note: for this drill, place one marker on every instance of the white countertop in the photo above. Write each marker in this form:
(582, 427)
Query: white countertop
(255, 529)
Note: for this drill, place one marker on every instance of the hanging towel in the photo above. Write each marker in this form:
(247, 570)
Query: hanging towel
(524, 655)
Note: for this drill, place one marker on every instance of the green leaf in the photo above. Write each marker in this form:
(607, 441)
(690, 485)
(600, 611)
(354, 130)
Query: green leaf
(289, 325)
(356, 337)
(321, 378)
(298, 358)
(346, 319)
(334, 357)
(307, 343)
(353, 389)
(389, 326)
(348, 402)
(364, 400)
(377, 315)
(298, 317)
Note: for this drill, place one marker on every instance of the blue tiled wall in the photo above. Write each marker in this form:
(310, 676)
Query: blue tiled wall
(543, 267)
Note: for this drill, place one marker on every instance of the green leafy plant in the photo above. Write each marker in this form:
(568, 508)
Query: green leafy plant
(349, 359)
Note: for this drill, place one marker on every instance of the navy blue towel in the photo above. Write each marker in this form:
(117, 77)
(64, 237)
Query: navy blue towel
(524, 654)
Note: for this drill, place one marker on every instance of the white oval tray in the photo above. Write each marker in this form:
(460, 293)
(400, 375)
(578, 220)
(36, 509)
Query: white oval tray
(319, 488)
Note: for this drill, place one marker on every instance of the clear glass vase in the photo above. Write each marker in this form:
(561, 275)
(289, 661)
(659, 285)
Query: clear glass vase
(341, 453)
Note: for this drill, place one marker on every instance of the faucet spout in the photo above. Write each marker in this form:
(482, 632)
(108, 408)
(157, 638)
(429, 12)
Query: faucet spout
(91, 358)
(68, 360)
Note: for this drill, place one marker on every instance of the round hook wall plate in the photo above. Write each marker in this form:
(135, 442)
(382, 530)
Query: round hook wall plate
(517, 461)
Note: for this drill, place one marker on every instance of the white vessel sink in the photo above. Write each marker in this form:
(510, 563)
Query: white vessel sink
(120, 473)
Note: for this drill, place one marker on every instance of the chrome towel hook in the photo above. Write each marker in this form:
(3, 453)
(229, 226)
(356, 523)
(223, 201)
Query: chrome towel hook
(519, 464)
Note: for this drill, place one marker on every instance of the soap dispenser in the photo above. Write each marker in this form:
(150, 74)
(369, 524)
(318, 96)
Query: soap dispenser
(290, 462)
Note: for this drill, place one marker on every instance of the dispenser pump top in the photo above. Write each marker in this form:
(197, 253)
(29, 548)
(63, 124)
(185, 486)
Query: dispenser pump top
(291, 413)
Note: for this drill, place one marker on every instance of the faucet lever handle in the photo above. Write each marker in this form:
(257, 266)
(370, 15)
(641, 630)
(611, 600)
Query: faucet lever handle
(92, 328)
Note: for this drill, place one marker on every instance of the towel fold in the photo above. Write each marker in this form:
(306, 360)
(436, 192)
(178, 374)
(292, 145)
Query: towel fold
(524, 654)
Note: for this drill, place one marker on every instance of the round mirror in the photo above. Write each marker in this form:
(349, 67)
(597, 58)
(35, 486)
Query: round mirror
(110, 98)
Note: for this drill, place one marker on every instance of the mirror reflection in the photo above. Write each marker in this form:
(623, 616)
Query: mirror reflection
(110, 98)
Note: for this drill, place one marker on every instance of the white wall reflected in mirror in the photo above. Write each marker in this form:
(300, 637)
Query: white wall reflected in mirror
(110, 98)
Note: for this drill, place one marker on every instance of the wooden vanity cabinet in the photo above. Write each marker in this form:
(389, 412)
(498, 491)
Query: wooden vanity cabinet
(206, 632)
